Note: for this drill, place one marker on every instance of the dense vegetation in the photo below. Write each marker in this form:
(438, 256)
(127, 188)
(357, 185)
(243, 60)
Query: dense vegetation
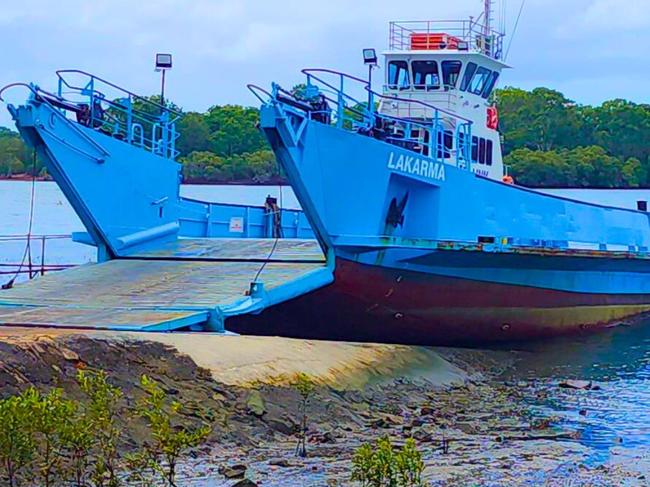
(548, 140)
(551, 141)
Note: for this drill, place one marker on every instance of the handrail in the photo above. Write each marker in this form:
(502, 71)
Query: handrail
(424, 135)
(151, 127)
(387, 97)
(477, 36)
(36, 91)
(112, 85)
(254, 89)
(12, 85)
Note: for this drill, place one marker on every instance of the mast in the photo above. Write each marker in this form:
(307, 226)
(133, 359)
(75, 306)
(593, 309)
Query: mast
(487, 17)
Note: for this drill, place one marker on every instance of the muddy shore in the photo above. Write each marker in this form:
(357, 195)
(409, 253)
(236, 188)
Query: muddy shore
(473, 427)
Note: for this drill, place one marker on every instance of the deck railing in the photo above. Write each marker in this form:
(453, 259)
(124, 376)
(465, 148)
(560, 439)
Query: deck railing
(427, 133)
(116, 111)
(468, 35)
(33, 259)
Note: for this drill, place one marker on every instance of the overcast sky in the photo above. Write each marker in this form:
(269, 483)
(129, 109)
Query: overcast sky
(592, 50)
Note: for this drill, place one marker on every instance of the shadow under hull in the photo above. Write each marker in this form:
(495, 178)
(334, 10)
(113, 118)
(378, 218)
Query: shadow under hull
(378, 304)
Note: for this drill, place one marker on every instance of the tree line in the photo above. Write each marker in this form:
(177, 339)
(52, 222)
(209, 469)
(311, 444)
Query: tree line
(548, 141)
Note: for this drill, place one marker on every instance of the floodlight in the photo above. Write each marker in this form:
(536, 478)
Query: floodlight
(369, 56)
(163, 61)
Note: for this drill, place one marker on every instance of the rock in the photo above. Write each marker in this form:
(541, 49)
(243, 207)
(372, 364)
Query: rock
(427, 411)
(393, 419)
(378, 423)
(576, 384)
(280, 462)
(69, 355)
(233, 471)
(255, 404)
(421, 435)
(283, 426)
(245, 483)
(415, 422)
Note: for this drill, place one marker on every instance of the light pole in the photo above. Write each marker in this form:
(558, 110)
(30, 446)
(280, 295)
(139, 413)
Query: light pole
(163, 63)
(370, 60)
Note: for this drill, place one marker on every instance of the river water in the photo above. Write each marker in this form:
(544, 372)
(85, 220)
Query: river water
(613, 419)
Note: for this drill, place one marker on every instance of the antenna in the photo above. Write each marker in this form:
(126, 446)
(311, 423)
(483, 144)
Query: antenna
(514, 30)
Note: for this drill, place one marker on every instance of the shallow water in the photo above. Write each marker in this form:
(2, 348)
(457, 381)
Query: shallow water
(618, 360)
(615, 414)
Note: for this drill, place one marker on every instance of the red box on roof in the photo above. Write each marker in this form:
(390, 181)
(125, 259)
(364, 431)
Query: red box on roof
(435, 41)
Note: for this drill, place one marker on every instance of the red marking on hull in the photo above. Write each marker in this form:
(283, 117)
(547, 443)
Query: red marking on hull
(371, 303)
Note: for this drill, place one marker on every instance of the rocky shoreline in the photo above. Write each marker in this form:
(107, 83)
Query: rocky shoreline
(472, 427)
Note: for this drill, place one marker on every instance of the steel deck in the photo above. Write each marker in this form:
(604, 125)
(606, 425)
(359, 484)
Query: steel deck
(238, 249)
(154, 294)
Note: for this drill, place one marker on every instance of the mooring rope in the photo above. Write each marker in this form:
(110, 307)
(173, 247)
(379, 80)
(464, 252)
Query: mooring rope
(27, 253)
(276, 231)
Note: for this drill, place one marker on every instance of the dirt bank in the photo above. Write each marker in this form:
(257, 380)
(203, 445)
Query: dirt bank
(473, 430)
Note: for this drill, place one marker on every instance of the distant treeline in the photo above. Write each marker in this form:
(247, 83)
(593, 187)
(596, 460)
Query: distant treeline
(548, 141)
(220, 145)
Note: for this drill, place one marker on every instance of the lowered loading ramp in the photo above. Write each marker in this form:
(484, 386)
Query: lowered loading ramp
(191, 284)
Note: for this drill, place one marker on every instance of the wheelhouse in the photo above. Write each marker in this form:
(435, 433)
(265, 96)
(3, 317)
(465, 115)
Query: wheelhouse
(452, 65)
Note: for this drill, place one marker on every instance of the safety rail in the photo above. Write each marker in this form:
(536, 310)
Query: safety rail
(428, 135)
(123, 115)
(32, 266)
(53, 101)
(464, 35)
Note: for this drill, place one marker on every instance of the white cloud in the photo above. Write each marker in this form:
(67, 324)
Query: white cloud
(220, 45)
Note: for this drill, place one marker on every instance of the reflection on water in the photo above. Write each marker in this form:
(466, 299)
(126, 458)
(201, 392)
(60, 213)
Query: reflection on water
(616, 413)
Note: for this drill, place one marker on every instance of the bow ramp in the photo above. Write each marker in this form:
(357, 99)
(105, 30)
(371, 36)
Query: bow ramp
(189, 284)
(165, 262)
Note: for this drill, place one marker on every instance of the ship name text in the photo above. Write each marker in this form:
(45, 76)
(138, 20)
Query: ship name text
(416, 166)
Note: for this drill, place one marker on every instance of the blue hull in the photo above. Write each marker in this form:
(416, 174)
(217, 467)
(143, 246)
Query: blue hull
(560, 258)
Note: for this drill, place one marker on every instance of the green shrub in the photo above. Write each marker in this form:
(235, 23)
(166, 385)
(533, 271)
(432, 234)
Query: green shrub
(51, 416)
(48, 439)
(17, 445)
(305, 386)
(101, 410)
(170, 439)
(380, 465)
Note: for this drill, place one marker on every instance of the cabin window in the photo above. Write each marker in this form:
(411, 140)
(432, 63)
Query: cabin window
(489, 86)
(450, 73)
(481, 151)
(398, 75)
(479, 80)
(425, 75)
(474, 149)
(488, 152)
(469, 73)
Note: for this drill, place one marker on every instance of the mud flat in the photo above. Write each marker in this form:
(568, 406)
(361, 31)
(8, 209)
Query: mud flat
(473, 428)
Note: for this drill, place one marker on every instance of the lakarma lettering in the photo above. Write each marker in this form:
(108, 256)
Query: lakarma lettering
(416, 166)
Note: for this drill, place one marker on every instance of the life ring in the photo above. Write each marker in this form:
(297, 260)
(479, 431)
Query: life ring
(508, 179)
